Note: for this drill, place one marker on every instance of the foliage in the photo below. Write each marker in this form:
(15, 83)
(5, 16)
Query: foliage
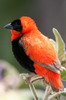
(59, 45)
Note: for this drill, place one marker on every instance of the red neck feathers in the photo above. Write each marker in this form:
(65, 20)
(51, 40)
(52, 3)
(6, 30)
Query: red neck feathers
(15, 34)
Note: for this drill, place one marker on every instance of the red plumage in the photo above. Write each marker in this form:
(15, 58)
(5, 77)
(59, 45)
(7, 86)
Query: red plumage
(39, 49)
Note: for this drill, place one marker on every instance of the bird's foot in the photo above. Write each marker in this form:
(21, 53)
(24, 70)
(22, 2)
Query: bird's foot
(30, 78)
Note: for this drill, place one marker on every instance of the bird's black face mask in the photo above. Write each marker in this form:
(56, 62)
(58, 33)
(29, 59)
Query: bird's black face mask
(15, 25)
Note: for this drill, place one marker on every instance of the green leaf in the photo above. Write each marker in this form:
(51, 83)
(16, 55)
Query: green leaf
(63, 75)
(55, 45)
(60, 44)
(64, 94)
(63, 63)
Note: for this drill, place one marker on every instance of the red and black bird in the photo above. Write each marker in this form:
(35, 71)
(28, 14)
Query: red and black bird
(34, 51)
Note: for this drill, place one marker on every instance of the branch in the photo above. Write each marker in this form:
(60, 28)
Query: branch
(56, 94)
(47, 92)
(30, 78)
(33, 91)
(27, 79)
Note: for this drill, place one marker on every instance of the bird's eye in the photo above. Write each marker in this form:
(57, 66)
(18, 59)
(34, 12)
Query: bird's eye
(16, 24)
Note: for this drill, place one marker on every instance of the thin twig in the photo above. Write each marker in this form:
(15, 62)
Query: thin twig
(33, 91)
(27, 79)
(47, 92)
(55, 95)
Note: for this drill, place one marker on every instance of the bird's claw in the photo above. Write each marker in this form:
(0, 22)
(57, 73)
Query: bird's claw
(27, 77)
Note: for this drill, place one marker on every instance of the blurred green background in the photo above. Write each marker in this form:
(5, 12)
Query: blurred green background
(46, 13)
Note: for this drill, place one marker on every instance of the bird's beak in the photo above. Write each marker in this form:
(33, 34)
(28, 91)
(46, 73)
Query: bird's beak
(8, 26)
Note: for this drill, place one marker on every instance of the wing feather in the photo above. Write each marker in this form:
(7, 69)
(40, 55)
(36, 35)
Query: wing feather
(53, 67)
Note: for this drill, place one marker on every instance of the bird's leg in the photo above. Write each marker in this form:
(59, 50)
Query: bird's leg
(35, 78)
(30, 78)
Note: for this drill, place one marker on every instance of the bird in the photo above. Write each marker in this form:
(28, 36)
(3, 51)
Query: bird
(34, 51)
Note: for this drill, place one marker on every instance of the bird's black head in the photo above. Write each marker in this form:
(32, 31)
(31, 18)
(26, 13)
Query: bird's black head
(15, 25)
(22, 25)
